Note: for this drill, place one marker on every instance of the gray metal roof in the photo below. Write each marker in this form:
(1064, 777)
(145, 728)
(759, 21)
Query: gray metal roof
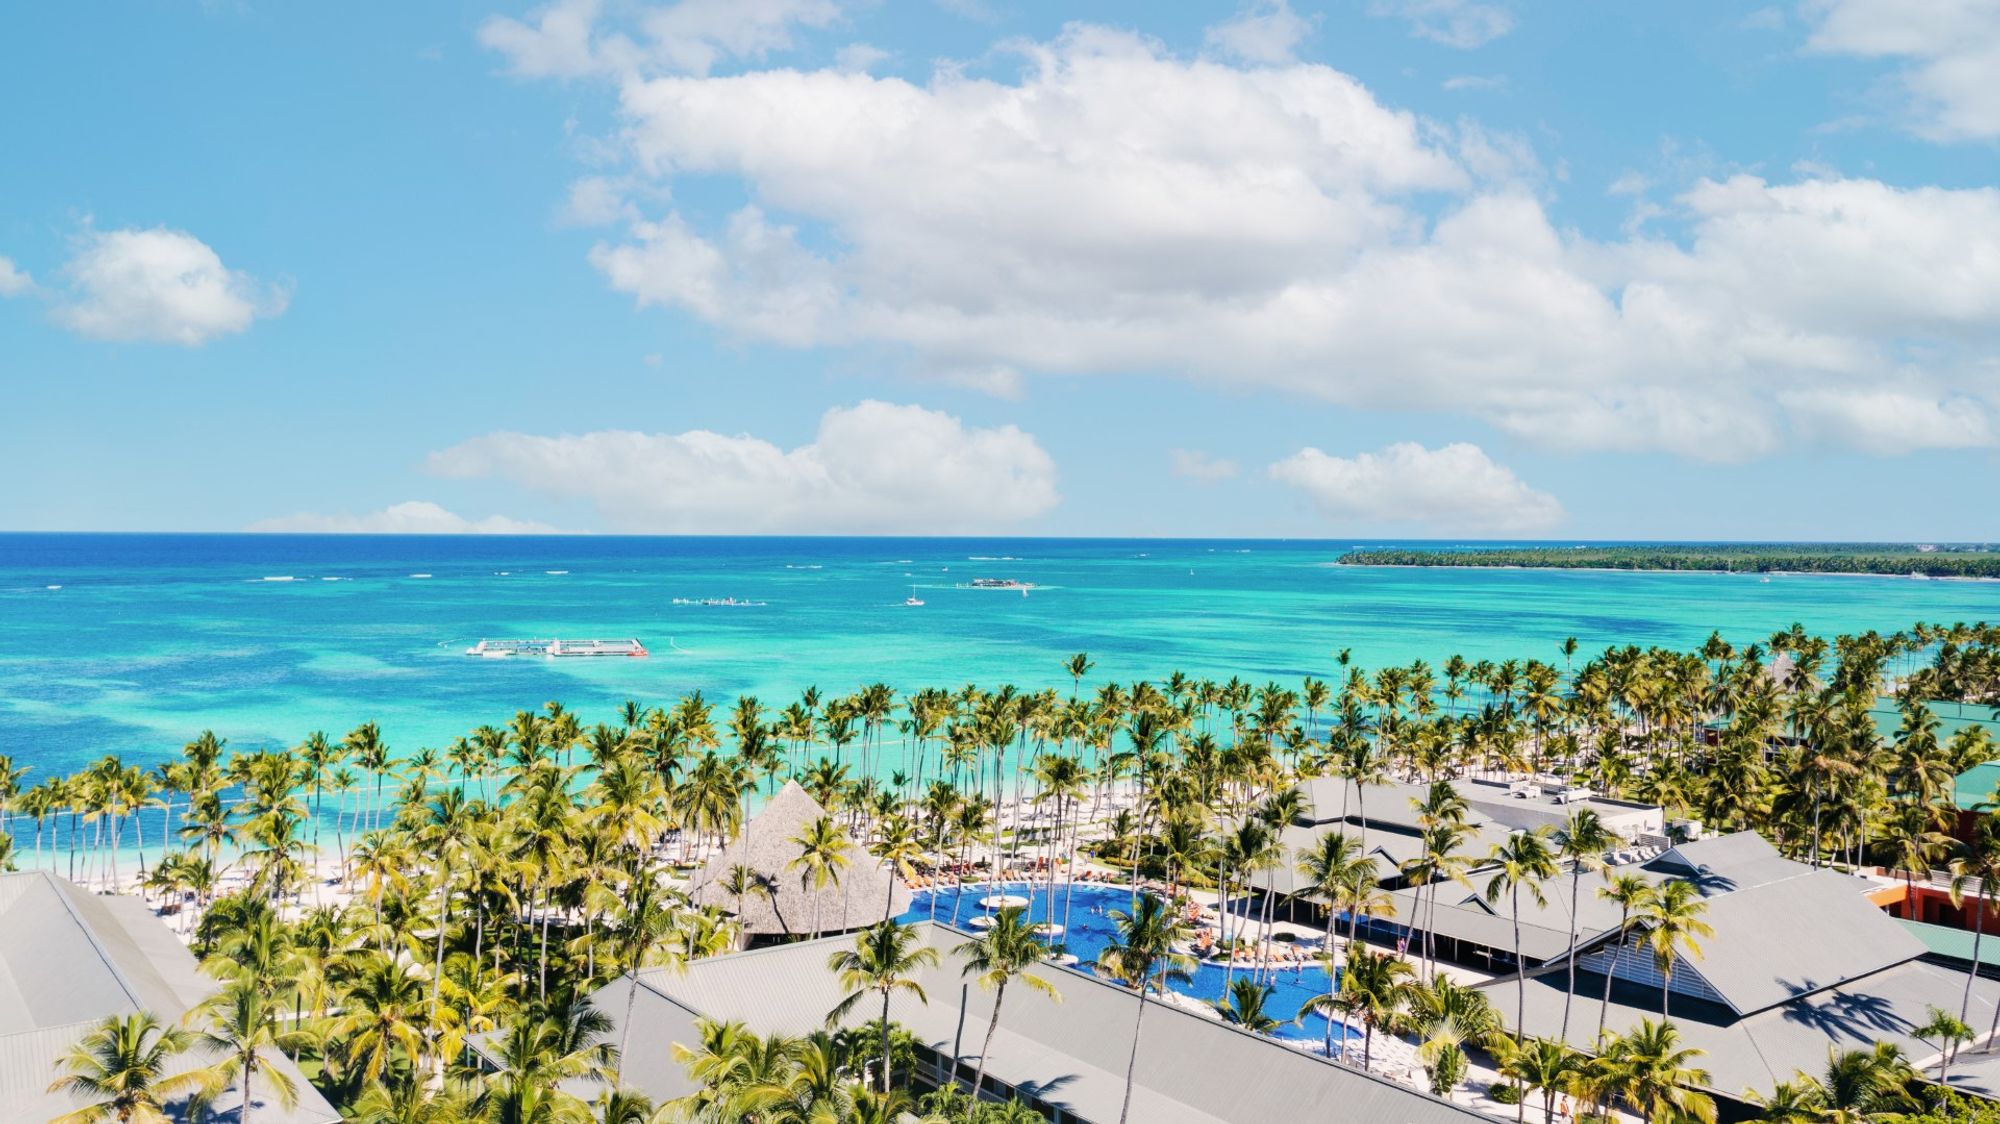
(1753, 1054)
(68, 959)
(1192, 1070)
(1795, 936)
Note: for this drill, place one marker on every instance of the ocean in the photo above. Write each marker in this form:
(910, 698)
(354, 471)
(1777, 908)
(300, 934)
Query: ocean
(131, 644)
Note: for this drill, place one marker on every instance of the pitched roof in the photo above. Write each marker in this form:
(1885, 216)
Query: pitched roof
(68, 959)
(1193, 1070)
(867, 890)
(1754, 1053)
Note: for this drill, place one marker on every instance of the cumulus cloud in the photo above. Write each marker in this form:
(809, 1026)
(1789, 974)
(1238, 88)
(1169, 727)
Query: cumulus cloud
(1194, 464)
(1889, 419)
(14, 280)
(160, 285)
(1950, 51)
(1263, 31)
(577, 38)
(1449, 489)
(412, 517)
(1116, 208)
(872, 467)
(1455, 23)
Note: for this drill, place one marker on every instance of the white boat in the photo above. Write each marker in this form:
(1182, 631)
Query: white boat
(913, 600)
(420, 575)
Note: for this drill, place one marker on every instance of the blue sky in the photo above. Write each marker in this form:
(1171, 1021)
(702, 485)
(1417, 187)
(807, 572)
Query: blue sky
(1413, 267)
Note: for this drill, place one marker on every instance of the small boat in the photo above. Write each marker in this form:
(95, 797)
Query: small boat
(555, 573)
(913, 601)
(52, 587)
(420, 575)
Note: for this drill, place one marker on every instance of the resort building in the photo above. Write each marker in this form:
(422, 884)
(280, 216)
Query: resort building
(1384, 818)
(786, 902)
(68, 959)
(1801, 961)
(1067, 1059)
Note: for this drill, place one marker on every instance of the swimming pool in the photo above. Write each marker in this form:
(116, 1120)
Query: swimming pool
(1090, 929)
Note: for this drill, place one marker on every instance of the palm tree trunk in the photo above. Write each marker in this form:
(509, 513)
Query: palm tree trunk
(986, 1047)
(1978, 931)
(1520, 974)
(1131, 1062)
(885, 1043)
(1569, 992)
(1617, 950)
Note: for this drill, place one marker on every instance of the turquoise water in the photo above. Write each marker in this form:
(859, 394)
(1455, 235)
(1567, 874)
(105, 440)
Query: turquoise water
(1090, 929)
(152, 638)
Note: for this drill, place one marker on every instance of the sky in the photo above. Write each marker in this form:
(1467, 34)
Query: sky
(1419, 268)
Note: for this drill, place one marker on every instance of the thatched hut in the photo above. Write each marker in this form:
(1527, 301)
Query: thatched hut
(785, 905)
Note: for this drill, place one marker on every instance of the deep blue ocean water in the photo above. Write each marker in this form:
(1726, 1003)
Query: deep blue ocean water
(152, 638)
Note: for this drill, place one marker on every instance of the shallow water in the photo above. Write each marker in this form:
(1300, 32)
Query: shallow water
(151, 638)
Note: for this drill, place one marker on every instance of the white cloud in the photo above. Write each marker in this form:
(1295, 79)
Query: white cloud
(1455, 23)
(576, 38)
(1891, 419)
(1453, 488)
(1950, 50)
(1764, 19)
(412, 517)
(1115, 208)
(162, 285)
(873, 467)
(1459, 82)
(1262, 31)
(14, 281)
(1196, 465)
(859, 57)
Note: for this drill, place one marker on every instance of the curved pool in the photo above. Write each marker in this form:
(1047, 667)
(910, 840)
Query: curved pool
(1089, 928)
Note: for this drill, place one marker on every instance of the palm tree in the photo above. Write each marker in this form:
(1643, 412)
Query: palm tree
(823, 855)
(1948, 1030)
(1856, 1085)
(1375, 987)
(245, 1024)
(1633, 894)
(1673, 915)
(1244, 1006)
(650, 920)
(1002, 954)
(449, 830)
(536, 1061)
(120, 1069)
(1522, 861)
(1976, 868)
(885, 959)
(1650, 1069)
(1581, 842)
(1544, 1064)
(1143, 954)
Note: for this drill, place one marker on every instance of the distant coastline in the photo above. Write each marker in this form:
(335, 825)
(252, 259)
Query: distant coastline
(1955, 562)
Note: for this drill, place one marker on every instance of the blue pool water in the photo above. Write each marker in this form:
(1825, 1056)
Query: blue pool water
(1091, 928)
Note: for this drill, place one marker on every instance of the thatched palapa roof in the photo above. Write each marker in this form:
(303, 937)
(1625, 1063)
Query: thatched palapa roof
(787, 908)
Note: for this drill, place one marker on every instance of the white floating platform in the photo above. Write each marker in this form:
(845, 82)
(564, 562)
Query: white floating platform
(1049, 929)
(980, 922)
(1003, 901)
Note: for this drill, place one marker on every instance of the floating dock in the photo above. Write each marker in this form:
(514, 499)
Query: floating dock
(555, 649)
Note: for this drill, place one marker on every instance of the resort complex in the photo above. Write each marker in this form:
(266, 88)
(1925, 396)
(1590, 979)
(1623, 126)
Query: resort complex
(1646, 885)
